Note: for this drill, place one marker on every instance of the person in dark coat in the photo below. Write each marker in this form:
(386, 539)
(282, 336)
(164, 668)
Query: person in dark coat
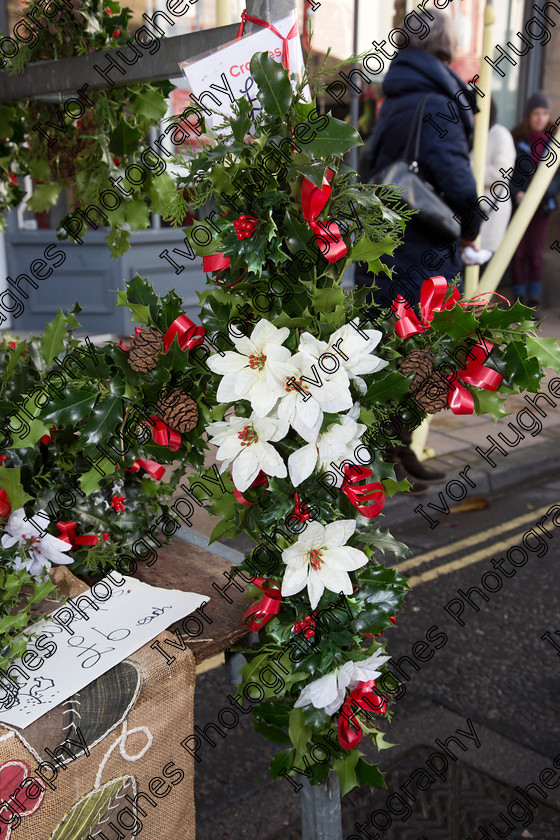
(446, 139)
(532, 144)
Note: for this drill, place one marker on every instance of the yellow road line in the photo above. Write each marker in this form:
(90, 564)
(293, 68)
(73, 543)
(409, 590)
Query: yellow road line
(495, 549)
(473, 540)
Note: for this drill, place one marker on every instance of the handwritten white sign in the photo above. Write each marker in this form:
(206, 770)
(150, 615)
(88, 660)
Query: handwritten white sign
(224, 76)
(84, 638)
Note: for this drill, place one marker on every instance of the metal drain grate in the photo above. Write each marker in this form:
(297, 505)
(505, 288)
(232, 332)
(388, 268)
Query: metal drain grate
(448, 810)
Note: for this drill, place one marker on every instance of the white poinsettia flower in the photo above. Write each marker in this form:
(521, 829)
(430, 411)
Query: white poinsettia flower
(304, 402)
(320, 559)
(368, 669)
(42, 550)
(337, 444)
(349, 347)
(257, 370)
(329, 692)
(244, 443)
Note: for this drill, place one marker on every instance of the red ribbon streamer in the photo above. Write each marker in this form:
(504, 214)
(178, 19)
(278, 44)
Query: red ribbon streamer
(123, 344)
(460, 399)
(260, 613)
(187, 332)
(163, 435)
(262, 478)
(349, 730)
(68, 531)
(285, 46)
(373, 494)
(5, 506)
(300, 510)
(313, 200)
(153, 469)
(432, 295)
(219, 263)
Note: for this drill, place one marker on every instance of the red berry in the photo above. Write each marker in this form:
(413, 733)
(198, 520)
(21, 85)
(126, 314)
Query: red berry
(116, 33)
(116, 161)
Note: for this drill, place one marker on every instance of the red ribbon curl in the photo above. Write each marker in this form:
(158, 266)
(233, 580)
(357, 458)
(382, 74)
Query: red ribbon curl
(68, 531)
(432, 295)
(153, 469)
(313, 200)
(285, 46)
(123, 344)
(373, 494)
(460, 399)
(163, 435)
(260, 613)
(262, 478)
(349, 730)
(188, 334)
(5, 506)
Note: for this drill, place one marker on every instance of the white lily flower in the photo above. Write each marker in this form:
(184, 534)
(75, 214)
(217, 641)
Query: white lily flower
(244, 442)
(257, 370)
(329, 692)
(42, 550)
(320, 559)
(336, 445)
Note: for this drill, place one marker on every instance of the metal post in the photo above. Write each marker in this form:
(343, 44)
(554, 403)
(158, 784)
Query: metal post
(321, 815)
(354, 95)
(269, 9)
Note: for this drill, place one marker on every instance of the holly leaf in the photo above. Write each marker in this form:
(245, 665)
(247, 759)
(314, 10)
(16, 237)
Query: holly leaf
(52, 340)
(44, 196)
(141, 299)
(151, 105)
(345, 768)
(384, 541)
(10, 481)
(489, 402)
(501, 319)
(546, 351)
(37, 428)
(325, 300)
(137, 214)
(457, 322)
(89, 481)
(393, 487)
(275, 89)
(224, 529)
(271, 732)
(314, 172)
(72, 407)
(298, 730)
(366, 250)
(124, 139)
(138, 311)
(281, 763)
(369, 774)
(106, 416)
(13, 359)
(241, 124)
(336, 138)
(393, 386)
(521, 371)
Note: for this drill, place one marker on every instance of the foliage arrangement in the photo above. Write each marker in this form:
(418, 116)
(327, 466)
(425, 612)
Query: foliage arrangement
(79, 150)
(298, 396)
(85, 451)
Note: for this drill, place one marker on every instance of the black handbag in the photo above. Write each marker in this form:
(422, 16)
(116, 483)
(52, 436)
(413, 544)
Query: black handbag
(433, 216)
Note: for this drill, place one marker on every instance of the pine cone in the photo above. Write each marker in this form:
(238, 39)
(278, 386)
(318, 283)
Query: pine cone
(429, 387)
(144, 350)
(178, 410)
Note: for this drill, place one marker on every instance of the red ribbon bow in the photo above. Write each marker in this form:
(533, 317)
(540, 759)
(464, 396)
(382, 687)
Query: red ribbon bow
(188, 334)
(68, 531)
(262, 478)
(349, 730)
(432, 295)
(5, 506)
(285, 46)
(163, 435)
(153, 469)
(313, 200)
(373, 494)
(260, 613)
(460, 398)
(219, 263)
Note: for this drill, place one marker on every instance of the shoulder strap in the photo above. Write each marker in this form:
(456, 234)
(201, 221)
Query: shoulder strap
(416, 130)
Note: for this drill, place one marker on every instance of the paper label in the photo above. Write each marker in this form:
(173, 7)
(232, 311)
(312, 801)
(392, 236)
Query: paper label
(224, 76)
(80, 642)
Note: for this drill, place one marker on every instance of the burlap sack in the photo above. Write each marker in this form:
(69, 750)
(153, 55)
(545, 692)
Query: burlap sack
(136, 779)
